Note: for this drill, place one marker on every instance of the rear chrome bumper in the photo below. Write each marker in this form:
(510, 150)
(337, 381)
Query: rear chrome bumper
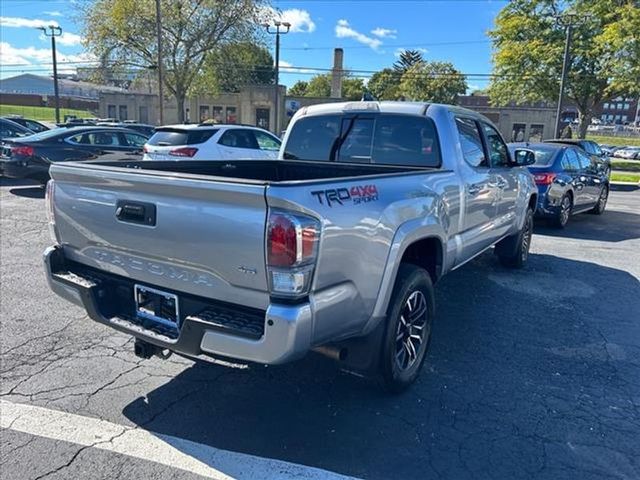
(285, 336)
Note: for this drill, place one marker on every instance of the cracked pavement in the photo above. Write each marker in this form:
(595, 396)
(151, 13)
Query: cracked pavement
(531, 374)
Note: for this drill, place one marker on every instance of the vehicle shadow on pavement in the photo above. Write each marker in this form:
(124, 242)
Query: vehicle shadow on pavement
(531, 373)
(611, 226)
(28, 192)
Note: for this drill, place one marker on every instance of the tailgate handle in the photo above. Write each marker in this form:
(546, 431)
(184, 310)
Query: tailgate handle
(136, 212)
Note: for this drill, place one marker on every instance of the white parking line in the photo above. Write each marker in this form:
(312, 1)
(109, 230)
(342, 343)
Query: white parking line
(162, 449)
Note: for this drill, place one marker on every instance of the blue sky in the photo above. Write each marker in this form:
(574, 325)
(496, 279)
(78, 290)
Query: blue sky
(371, 33)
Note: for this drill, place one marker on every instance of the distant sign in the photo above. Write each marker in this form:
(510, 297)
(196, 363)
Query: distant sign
(291, 106)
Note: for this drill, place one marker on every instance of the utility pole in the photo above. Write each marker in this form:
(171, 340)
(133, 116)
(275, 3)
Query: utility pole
(54, 32)
(160, 67)
(277, 32)
(565, 66)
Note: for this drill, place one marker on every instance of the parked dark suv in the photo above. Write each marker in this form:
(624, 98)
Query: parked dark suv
(569, 181)
(589, 146)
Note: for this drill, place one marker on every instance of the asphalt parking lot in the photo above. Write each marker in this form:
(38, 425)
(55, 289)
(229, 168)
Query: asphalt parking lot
(531, 374)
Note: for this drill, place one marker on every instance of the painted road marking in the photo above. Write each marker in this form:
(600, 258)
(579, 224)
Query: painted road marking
(135, 442)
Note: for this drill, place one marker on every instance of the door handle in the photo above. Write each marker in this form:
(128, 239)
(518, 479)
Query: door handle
(136, 212)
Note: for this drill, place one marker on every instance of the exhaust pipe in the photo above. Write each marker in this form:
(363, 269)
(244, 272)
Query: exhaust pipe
(339, 354)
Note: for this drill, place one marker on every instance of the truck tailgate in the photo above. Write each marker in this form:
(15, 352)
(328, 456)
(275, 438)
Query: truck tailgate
(189, 235)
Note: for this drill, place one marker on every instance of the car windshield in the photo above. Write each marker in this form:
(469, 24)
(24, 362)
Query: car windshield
(172, 137)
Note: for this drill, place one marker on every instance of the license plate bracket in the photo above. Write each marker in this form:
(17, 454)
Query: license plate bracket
(157, 305)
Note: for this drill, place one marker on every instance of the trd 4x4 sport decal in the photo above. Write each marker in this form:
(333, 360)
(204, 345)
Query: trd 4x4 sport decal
(354, 195)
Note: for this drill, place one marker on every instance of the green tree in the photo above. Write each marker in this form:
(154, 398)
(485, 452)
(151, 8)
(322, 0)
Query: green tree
(124, 32)
(407, 59)
(353, 88)
(319, 86)
(299, 89)
(434, 82)
(384, 84)
(604, 62)
(237, 64)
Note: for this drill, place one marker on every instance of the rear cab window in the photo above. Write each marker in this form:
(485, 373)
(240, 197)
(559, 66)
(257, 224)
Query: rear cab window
(170, 137)
(384, 139)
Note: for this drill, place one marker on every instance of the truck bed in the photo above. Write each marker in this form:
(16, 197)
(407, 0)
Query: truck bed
(259, 171)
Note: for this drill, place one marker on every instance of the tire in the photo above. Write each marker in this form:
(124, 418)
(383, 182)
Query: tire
(513, 251)
(602, 202)
(408, 329)
(562, 217)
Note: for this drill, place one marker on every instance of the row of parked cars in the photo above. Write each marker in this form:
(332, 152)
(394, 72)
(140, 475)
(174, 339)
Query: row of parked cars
(572, 175)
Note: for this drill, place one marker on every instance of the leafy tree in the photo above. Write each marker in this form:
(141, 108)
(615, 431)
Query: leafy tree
(407, 59)
(319, 86)
(234, 65)
(384, 84)
(433, 81)
(604, 57)
(299, 89)
(353, 88)
(125, 32)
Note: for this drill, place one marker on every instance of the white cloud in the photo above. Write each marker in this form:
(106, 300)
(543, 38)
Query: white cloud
(69, 39)
(18, 22)
(384, 32)
(300, 20)
(288, 67)
(344, 30)
(398, 51)
(41, 58)
(54, 13)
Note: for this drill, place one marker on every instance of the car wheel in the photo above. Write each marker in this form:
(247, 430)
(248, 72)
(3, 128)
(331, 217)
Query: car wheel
(564, 212)
(513, 251)
(408, 330)
(602, 201)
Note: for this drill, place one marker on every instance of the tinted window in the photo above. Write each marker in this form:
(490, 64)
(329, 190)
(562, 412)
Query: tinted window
(10, 129)
(383, 139)
(173, 137)
(96, 138)
(311, 138)
(135, 140)
(471, 142)
(35, 126)
(585, 161)
(357, 135)
(266, 141)
(239, 139)
(544, 156)
(570, 161)
(406, 140)
(498, 153)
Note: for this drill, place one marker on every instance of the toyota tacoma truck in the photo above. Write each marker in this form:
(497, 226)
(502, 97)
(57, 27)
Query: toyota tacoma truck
(334, 247)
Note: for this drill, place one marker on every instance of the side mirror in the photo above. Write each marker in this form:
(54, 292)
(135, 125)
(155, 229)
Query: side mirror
(522, 158)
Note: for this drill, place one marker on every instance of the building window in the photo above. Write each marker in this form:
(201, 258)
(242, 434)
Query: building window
(111, 111)
(536, 132)
(617, 117)
(517, 132)
(204, 113)
(618, 106)
(603, 117)
(609, 117)
(606, 106)
(217, 114)
(122, 112)
(626, 106)
(143, 114)
(624, 118)
(262, 118)
(231, 115)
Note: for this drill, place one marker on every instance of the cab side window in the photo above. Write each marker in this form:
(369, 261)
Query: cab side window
(498, 152)
(586, 163)
(239, 139)
(471, 142)
(570, 161)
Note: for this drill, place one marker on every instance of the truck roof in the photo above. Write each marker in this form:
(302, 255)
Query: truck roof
(407, 108)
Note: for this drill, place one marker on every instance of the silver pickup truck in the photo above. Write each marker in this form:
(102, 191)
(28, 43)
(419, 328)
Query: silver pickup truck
(335, 247)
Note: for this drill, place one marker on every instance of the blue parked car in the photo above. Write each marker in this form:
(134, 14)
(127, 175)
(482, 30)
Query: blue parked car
(569, 180)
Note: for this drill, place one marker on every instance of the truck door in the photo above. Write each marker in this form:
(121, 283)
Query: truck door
(480, 191)
(505, 179)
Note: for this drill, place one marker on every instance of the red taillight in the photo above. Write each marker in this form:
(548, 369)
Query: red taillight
(282, 241)
(544, 178)
(145, 149)
(23, 150)
(183, 152)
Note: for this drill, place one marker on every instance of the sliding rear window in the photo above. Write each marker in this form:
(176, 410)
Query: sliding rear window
(172, 137)
(384, 139)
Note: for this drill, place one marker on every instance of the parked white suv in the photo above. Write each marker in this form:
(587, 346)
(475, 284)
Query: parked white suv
(211, 142)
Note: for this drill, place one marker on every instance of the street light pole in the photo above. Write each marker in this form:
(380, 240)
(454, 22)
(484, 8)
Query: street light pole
(160, 67)
(565, 67)
(277, 32)
(54, 31)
